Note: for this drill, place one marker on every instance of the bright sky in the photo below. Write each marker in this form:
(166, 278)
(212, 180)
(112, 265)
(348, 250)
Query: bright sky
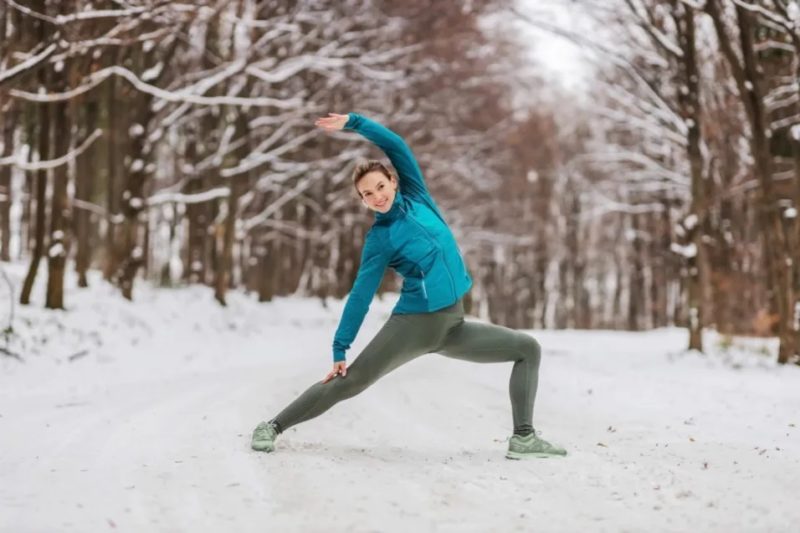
(560, 56)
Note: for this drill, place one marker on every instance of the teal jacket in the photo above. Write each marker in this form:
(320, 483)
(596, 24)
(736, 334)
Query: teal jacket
(412, 238)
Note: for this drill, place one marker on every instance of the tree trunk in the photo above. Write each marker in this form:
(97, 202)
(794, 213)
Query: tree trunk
(9, 123)
(41, 198)
(6, 110)
(224, 271)
(636, 285)
(690, 107)
(57, 249)
(84, 191)
(749, 83)
(112, 255)
(778, 260)
(222, 274)
(133, 208)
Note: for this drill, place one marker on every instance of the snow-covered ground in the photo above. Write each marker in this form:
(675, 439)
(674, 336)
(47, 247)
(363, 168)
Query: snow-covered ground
(137, 417)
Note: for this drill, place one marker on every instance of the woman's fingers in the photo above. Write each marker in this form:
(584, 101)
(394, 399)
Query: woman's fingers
(338, 368)
(333, 121)
(325, 125)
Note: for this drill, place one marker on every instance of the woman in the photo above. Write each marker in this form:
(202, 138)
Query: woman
(411, 236)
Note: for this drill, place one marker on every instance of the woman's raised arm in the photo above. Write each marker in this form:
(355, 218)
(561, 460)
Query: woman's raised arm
(411, 181)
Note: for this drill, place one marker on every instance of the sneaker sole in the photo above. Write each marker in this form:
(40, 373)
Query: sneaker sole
(265, 448)
(535, 455)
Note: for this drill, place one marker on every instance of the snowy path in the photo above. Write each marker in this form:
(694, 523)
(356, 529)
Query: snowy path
(152, 434)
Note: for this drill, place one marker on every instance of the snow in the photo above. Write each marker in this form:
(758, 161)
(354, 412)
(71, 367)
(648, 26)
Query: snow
(688, 251)
(56, 250)
(790, 213)
(690, 222)
(175, 268)
(796, 322)
(136, 130)
(137, 416)
(793, 10)
(153, 72)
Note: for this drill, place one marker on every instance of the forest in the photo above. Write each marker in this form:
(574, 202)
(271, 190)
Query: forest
(173, 143)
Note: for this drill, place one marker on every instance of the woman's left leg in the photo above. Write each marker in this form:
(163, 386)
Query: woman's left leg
(487, 343)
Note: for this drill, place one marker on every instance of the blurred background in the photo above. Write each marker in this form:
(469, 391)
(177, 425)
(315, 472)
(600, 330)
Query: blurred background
(621, 164)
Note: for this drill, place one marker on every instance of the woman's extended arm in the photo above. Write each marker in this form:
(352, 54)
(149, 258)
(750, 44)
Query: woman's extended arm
(375, 258)
(411, 181)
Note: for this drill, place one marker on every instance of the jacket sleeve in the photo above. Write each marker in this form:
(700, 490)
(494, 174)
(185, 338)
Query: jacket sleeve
(375, 257)
(411, 181)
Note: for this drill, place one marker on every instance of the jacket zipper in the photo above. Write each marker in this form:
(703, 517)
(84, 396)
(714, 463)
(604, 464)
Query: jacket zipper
(449, 275)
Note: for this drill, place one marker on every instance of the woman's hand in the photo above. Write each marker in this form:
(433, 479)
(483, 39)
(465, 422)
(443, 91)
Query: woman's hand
(339, 367)
(332, 122)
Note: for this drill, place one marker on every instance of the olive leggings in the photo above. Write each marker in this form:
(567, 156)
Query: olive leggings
(406, 337)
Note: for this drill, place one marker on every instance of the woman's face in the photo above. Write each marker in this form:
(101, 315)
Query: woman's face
(377, 191)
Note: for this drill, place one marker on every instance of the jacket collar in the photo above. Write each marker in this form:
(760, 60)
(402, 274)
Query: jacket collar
(394, 212)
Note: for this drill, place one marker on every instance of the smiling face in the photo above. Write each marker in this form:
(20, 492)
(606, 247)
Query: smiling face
(377, 191)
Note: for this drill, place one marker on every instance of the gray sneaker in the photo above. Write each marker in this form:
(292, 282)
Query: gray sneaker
(531, 446)
(264, 437)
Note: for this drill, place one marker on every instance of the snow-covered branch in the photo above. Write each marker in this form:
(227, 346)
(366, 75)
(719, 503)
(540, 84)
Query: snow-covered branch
(52, 163)
(88, 206)
(180, 198)
(170, 96)
(655, 33)
(94, 14)
(766, 13)
(254, 160)
(29, 63)
(622, 155)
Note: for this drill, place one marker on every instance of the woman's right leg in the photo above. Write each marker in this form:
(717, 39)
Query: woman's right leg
(402, 338)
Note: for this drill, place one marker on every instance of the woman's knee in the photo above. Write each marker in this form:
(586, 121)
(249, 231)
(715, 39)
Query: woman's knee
(530, 348)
